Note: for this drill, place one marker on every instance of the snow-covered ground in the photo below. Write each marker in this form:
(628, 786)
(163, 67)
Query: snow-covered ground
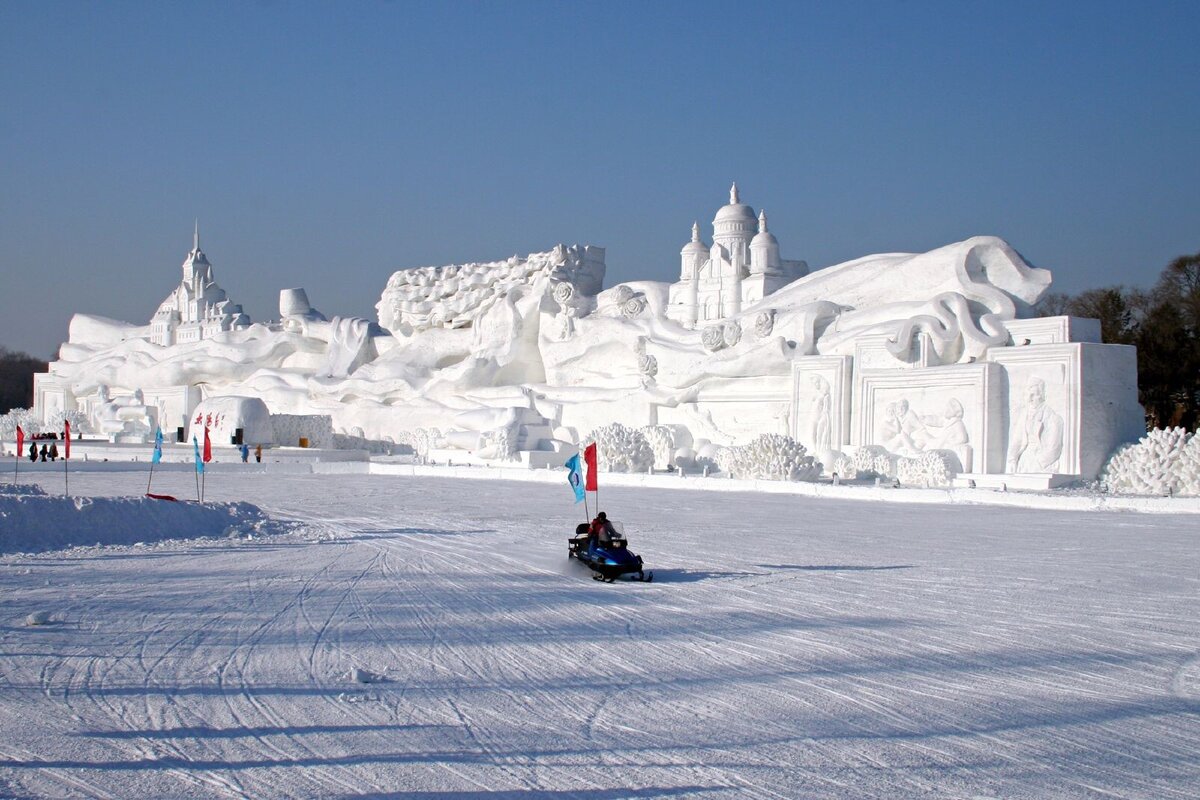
(788, 647)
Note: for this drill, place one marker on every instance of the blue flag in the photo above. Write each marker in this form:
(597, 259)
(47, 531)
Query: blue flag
(157, 457)
(575, 476)
(199, 461)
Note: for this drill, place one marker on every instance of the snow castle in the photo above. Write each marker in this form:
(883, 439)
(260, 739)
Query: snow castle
(895, 363)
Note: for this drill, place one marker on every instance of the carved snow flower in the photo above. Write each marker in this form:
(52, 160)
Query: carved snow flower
(633, 307)
(713, 338)
(563, 293)
(764, 323)
(648, 365)
(732, 333)
(622, 294)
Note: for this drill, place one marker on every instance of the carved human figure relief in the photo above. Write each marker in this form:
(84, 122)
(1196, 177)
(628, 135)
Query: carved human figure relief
(819, 415)
(1037, 433)
(947, 430)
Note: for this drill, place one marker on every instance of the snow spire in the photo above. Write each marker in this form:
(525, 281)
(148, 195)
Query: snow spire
(733, 195)
(762, 221)
(696, 231)
(196, 236)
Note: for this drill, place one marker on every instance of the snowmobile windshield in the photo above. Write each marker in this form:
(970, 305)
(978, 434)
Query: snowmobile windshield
(617, 528)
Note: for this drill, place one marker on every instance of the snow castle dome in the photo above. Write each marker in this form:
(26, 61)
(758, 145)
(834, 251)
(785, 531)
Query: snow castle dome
(764, 238)
(736, 211)
(696, 246)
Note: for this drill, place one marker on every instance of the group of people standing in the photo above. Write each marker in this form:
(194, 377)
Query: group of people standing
(245, 451)
(50, 453)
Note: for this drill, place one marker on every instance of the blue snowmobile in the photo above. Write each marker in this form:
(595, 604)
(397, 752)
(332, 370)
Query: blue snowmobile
(608, 556)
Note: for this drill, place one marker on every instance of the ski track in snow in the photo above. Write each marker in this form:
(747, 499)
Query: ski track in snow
(787, 647)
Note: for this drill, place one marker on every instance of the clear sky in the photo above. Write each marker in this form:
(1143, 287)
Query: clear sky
(325, 145)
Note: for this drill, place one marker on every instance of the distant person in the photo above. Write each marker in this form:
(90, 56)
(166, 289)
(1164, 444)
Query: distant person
(245, 453)
(53, 452)
(33, 452)
(258, 453)
(45, 453)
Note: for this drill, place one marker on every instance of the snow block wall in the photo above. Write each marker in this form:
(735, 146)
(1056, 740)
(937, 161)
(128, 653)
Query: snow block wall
(289, 429)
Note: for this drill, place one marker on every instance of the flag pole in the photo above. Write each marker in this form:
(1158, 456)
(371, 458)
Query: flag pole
(66, 457)
(151, 480)
(203, 480)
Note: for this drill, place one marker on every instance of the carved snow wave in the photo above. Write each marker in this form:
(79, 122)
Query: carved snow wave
(1164, 461)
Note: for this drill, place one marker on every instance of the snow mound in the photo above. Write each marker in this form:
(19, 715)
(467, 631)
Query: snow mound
(21, 489)
(32, 521)
(1164, 461)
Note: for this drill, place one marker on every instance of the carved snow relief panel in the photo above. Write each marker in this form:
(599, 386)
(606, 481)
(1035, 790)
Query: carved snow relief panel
(821, 402)
(948, 409)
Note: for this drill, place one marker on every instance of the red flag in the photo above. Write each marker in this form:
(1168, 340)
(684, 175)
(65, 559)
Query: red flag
(20, 441)
(66, 439)
(589, 457)
(207, 447)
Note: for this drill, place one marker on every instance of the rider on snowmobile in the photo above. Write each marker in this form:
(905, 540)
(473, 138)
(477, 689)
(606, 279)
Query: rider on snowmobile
(600, 530)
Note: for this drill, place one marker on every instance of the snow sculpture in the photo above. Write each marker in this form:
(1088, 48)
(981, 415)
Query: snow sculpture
(909, 353)
(351, 344)
(314, 430)
(874, 461)
(1038, 435)
(124, 418)
(714, 337)
(620, 449)
(198, 308)
(662, 443)
(457, 296)
(931, 469)
(740, 269)
(764, 323)
(223, 416)
(633, 307)
(732, 333)
(294, 310)
(424, 440)
(843, 467)
(1164, 461)
(770, 457)
(515, 433)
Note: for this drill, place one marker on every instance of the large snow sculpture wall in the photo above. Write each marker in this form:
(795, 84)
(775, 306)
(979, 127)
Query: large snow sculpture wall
(932, 357)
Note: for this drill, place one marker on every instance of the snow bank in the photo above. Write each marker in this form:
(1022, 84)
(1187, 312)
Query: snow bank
(32, 521)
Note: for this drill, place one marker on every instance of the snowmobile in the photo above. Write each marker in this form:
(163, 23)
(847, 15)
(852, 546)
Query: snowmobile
(610, 557)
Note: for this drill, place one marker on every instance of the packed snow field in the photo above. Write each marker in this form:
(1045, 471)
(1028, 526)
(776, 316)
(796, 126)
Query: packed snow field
(425, 637)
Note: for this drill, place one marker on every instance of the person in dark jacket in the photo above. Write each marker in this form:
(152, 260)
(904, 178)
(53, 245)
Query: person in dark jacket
(32, 452)
(53, 451)
(45, 452)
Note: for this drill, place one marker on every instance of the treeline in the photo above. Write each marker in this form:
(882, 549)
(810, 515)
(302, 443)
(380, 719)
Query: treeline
(1164, 324)
(16, 379)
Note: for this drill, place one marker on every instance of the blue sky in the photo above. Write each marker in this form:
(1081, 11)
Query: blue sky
(325, 145)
